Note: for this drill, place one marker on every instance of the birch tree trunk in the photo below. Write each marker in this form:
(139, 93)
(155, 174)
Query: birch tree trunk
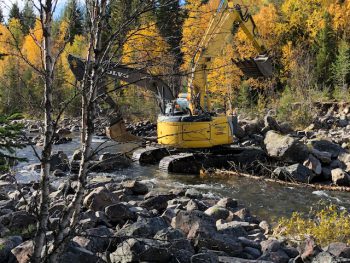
(90, 87)
(40, 237)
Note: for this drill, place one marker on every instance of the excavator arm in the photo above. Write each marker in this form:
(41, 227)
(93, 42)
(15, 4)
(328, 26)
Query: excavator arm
(138, 77)
(227, 19)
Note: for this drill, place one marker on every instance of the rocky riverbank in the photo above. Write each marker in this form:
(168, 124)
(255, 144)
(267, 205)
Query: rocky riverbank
(125, 221)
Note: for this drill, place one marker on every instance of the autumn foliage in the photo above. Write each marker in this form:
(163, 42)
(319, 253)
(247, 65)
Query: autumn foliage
(308, 41)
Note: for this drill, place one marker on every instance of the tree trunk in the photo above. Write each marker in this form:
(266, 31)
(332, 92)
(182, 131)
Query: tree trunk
(40, 237)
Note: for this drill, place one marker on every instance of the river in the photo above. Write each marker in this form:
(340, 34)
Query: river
(268, 201)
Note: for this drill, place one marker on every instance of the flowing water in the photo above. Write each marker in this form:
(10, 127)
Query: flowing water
(266, 200)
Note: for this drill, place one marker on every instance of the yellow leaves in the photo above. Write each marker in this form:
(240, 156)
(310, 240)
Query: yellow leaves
(326, 226)
(341, 14)
(302, 17)
(31, 46)
(195, 26)
(266, 20)
(224, 76)
(145, 47)
(243, 46)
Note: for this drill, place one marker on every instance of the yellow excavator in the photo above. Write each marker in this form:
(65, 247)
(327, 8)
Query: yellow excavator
(195, 125)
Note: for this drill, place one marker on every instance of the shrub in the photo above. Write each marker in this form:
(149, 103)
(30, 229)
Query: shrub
(327, 225)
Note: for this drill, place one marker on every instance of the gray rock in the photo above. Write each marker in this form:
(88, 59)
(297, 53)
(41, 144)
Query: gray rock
(193, 193)
(22, 252)
(285, 147)
(189, 221)
(270, 245)
(60, 161)
(324, 157)
(338, 249)
(313, 164)
(255, 253)
(295, 172)
(119, 213)
(21, 220)
(340, 177)
(195, 204)
(327, 146)
(144, 227)
(217, 212)
(205, 258)
(228, 203)
(76, 254)
(169, 234)
(325, 257)
(159, 202)
(278, 256)
(135, 187)
(141, 249)
(96, 239)
(6, 245)
(100, 198)
(110, 162)
(234, 228)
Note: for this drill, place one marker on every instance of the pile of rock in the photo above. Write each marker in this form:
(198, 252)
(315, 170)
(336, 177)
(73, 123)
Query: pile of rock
(301, 156)
(142, 128)
(125, 222)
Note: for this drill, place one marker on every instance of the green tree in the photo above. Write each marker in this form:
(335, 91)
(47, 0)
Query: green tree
(9, 141)
(15, 12)
(75, 17)
(1, 16)
(341, 67)
(170, 18)
(325, 51)
(28, 17)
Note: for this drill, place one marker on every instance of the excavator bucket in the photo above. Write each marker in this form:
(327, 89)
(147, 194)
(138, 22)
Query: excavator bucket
(117, 132)
(260, 66)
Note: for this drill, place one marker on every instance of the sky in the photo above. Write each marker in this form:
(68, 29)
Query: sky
(6, 5)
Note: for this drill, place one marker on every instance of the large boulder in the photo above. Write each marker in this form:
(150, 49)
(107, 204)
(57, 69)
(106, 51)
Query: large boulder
(295, 172)
(339, 249)
(6, 245)
(186, 220)
(60, 161)
(119, 213)
(76, 254)
(326, 146)
(158, 202)
(109, 162)
(95, 239)
(144, 227)
(217, 212)
(136, 187)
(285, 147)
(340, 177)
(140, 249)
(100, 198)
(22, 253)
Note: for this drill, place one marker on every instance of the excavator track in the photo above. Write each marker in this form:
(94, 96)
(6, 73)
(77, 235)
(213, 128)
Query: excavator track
(180, 163)
(151, 155)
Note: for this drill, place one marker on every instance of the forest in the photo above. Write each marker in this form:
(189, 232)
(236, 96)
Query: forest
(308, 41)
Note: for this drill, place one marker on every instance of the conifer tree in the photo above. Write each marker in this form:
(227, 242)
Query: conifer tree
(15, 12)
(28, 17)
(341, 66)
(9, 141)
(325, 51)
